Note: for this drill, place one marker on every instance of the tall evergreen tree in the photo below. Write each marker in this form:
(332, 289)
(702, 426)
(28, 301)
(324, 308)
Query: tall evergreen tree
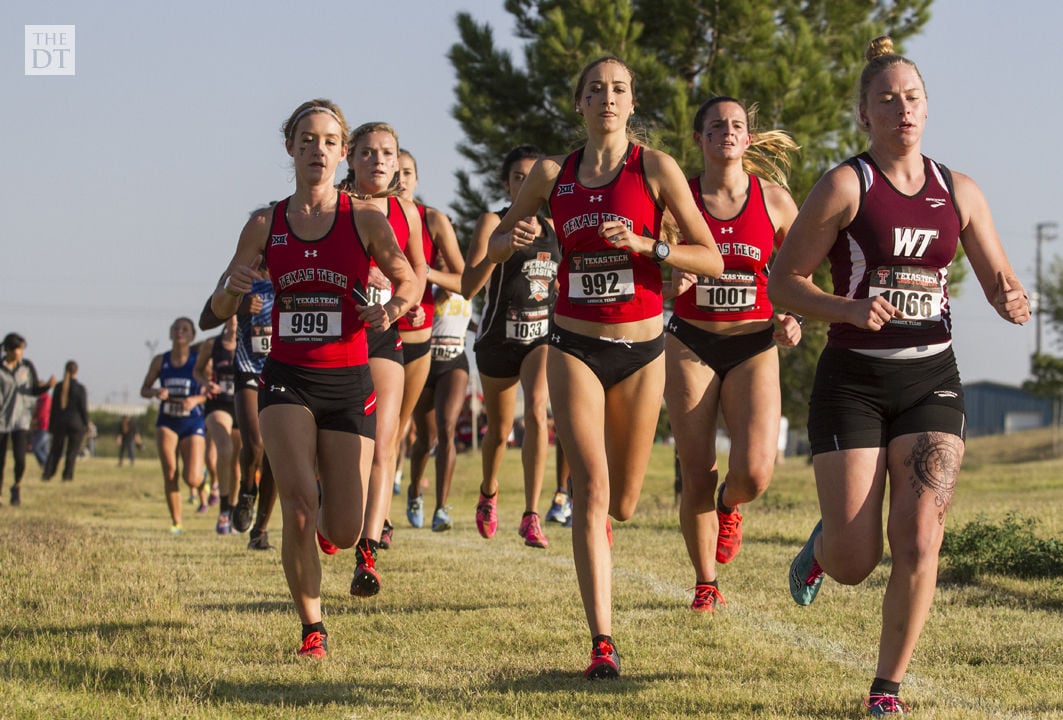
(799, 60)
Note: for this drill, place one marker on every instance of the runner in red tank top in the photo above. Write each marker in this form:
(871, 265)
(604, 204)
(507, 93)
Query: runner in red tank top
(372, 161)
(317, 245)
(888, 413)
(720, 348)
(605, 364)
(440, 251)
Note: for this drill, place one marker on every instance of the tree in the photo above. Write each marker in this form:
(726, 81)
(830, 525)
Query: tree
(798, 59)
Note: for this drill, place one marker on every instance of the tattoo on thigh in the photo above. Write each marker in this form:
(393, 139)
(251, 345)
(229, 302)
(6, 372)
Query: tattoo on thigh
(935, 465)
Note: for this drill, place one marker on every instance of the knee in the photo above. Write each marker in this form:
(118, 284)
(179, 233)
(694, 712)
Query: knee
(850, 564)
(748, 486)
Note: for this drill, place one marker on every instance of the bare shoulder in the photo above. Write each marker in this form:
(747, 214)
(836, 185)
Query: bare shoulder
(656, 160)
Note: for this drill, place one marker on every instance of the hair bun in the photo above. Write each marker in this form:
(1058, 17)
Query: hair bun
(878, 47)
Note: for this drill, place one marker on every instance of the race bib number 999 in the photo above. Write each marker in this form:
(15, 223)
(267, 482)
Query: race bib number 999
(310, 317)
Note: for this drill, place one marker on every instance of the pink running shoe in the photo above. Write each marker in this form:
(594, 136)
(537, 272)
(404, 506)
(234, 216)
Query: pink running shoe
(532, 531)
(487, 515)
(729, 541)
(605, 661)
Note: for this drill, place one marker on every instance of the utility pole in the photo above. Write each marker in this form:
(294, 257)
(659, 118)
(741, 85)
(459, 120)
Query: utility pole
(1045, 231)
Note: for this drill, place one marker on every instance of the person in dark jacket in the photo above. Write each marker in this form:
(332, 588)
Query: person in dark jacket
(19, 387)
(68, 423)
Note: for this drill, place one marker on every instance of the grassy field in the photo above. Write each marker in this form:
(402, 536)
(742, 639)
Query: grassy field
(105, 615)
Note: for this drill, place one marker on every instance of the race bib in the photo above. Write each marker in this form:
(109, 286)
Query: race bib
(527, 326)
(601, 278)
(445, 349)
(734, 291)
(260, 337)
(309, 317)
(377, 296)
(915, 291)
(174, 408)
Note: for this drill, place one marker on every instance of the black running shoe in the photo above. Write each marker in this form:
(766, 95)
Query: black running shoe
(244, 512)
(387, 535)
(366, 581)
(259, 540)
(16, 496)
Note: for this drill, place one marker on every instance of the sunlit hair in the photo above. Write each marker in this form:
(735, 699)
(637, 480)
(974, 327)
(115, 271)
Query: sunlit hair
(768, 154)
(349, 183)
(69, 372)
(13, 341)
(514, 156)
(880, 56)
(309, 107)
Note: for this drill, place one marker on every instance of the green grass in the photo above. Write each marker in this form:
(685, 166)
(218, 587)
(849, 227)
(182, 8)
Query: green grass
(105, 615)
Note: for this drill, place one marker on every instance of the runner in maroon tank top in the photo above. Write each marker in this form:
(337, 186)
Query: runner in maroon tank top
(887, 402)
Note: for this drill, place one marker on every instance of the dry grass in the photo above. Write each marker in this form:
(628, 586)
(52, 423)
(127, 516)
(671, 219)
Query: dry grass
(108, 616)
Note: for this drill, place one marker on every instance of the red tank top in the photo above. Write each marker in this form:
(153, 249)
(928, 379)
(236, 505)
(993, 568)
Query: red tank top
(899, 246)
(401, 227)
(316, 286)
(746, 242)
(428, 301)
(596, 281)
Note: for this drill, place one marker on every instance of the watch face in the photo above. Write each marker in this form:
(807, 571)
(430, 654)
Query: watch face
(661, 249)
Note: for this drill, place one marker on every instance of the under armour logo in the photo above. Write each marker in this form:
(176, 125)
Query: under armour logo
(596, 198)
(727, 230)
(935, 202)
(309, 253)
(555, 338)
(277, 388)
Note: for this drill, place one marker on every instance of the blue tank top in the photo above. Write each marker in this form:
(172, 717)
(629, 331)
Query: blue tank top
(253, 332)
(181, 384)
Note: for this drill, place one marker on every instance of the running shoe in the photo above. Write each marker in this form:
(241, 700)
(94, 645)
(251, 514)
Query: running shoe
(387, 534)
(16, 495)
(487, 515)
(176, 529)
(415, 511)
(532, 531)
(215, 496)
(259, 540)
(706, 598)
(805, 573)
(244, 512)
(224, 526)
(561, 509)
(882, 705)
(729, 541)
(366, 582)
(441, 520)
(605, 661)
(326, 545)
(202, 508)
(315, 645)
(396, 488)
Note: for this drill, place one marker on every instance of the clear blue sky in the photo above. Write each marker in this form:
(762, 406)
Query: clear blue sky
(125, 186)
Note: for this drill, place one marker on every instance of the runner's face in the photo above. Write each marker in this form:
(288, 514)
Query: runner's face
(895, 108)
(375, 159)
(181, 333)
(518, 172)
(407, 177)
(317, 147)
(606, 100)
(725, 132)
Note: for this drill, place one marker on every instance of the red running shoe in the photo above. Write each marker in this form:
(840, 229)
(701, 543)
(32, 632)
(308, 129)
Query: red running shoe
(487, 515)
(729, 541)
(326, 545)
(366, 581)
(315, 645)
(605, 661)
(706, 598)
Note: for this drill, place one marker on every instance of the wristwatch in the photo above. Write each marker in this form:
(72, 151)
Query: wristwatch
(661, 251)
